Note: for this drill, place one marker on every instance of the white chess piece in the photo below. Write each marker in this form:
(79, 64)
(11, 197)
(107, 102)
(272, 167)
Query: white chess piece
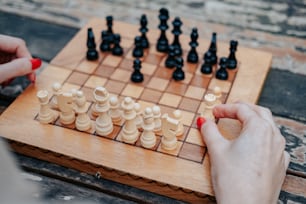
(114, 111)
(177, 114)
(138, 119)
(46, 114)
(148, 138)
(57, 90)
(82, 122)
(129, 133)
(169, 129)
(65, 105)
(217, 92)
(210, 102)
(104, 124)
(157, 120)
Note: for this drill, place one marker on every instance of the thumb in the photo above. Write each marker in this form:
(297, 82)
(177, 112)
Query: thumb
(212, 137)
(17, 67)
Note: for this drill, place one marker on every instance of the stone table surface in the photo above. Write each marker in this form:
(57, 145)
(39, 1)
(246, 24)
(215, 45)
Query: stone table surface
(278, 27)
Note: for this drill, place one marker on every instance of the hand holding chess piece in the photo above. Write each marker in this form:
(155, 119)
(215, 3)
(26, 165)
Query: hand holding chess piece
(262, 171)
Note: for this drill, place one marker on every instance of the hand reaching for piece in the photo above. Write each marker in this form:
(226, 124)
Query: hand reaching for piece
(252, 167)
(15, 59)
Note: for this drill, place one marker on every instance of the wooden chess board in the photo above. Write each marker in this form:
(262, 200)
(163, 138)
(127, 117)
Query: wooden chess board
(182, 173)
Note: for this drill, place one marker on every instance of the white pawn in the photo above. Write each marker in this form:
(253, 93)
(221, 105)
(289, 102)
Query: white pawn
(148, 138)
(177, 114)
(114, 111)
(46, 114)
(157, 120)
(169, 129)
(104, 124)
(57, 90)
(138, 119)
(83, 121)
(217, 92)
(65, 105)
(129, 133)
(210, 100)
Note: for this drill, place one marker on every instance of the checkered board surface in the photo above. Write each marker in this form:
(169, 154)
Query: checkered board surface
(73, 71)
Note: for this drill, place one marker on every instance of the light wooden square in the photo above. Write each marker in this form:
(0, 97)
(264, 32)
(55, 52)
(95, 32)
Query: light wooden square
(147, 68)
(158, 83)
(67, 87)
(195, 92)
(126, 43)
(57, 74)
(121, 75)
(170, 100)
(112, 61)
(188, 77)
(224, 85)
(187, 118)
(144, 104)
(194, 136)
(95, 81)
(132, 91)
(88, 66)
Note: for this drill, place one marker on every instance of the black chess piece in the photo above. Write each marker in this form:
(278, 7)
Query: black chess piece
(178, 73)
(92, 53)
(192, 56)
(143, 30)
(137, 76)
(110, 33)
(138, 49)
(231, 60)
(222, 72)
(206, 67)
(105, 44)
(177, 23)
(213, 48)
(170, 61)
(162, 42)
(117, 49)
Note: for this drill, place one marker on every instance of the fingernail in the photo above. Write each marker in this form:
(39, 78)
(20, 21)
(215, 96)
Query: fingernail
(36, 63)
(200, 122)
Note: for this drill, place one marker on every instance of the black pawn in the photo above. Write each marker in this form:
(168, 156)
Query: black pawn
(231, 60)
(105, 44)
(213, 48)
(222, 72)
(177, 23)
(92, 53)
(117, 49)
(143, 30)
(138, 50)
(206, 68)
(178, 73)
(192, 56)
(110, 33)
(170, 61)
(162, 42)
(137, 76)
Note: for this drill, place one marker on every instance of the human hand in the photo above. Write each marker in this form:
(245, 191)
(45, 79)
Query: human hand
(252, 167)
(16, 60)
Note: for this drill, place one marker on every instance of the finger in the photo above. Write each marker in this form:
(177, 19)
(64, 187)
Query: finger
(32, 77)
(17, 67)
(212, 137)
(15, 46)
(287, 159)
(263, 112)
(238, 111)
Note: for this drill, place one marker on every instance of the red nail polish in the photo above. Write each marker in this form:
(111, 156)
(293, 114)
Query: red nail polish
(36, 63)
(200, 122)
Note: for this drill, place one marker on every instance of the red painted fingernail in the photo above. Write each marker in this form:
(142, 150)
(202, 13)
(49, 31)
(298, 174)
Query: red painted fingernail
(36, 63)
(200, 122)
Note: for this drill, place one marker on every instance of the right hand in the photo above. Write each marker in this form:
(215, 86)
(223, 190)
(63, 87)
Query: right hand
(252, 167)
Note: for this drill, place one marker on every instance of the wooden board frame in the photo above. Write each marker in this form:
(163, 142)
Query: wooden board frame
(17, 124)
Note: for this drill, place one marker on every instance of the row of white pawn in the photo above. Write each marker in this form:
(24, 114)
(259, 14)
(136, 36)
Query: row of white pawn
(72, 108)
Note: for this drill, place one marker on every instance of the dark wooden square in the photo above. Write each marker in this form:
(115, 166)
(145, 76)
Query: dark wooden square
(189, 104)
(192, 152)
(151, 95)
(77, 78)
